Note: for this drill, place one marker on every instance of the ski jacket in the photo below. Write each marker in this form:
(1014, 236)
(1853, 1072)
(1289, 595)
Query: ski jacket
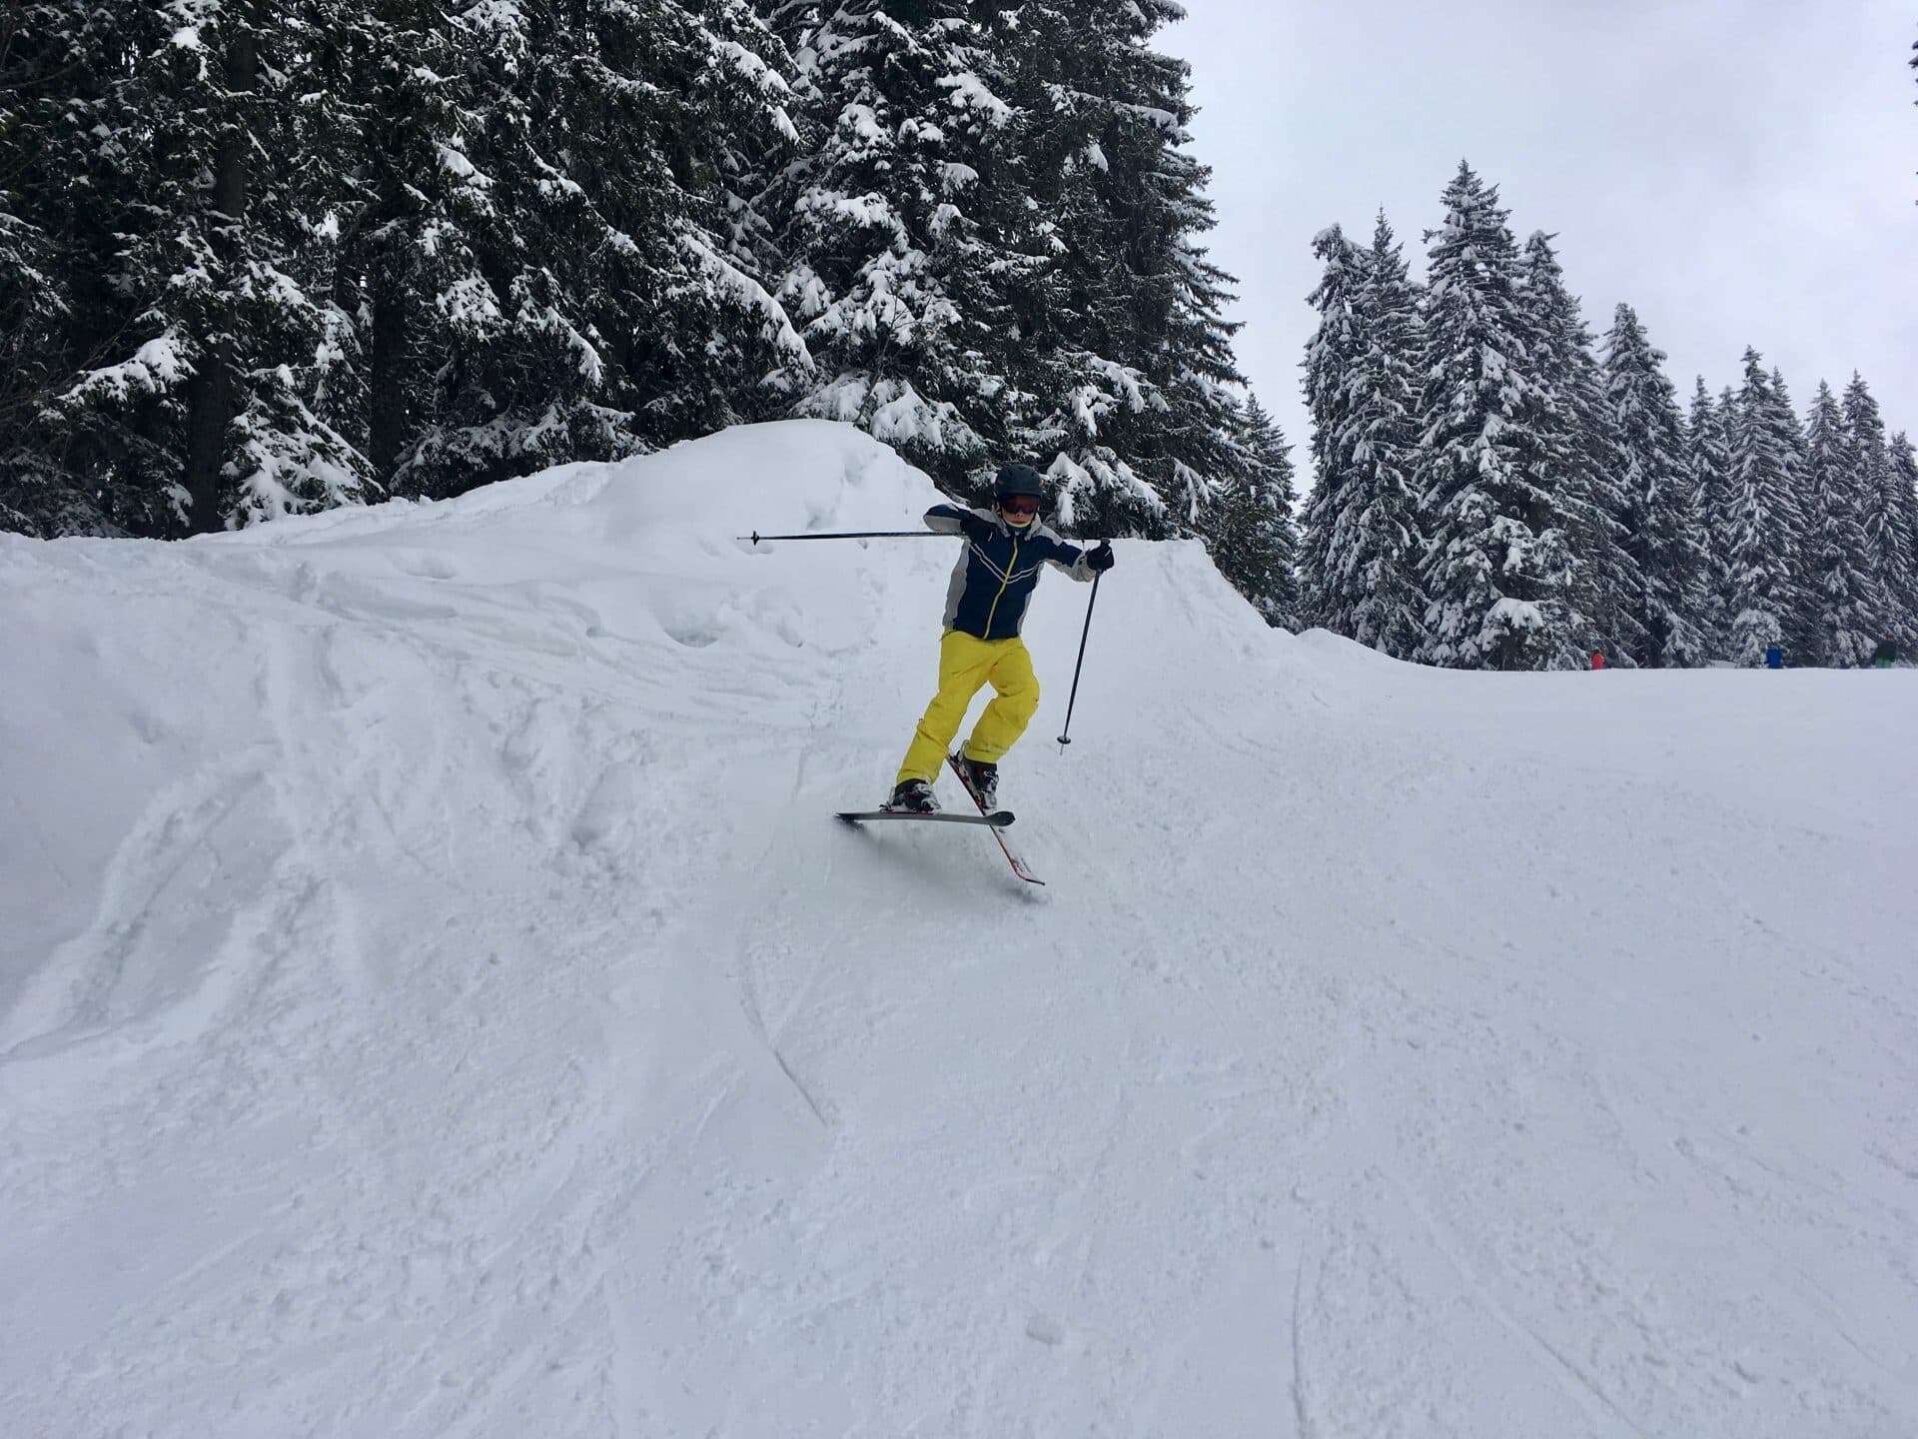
(995, 576)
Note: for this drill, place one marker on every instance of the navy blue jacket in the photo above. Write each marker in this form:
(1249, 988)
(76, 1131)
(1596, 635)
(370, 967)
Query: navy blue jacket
(995, 576)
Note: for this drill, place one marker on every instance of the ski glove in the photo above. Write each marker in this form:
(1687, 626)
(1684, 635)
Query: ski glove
(1100, 560)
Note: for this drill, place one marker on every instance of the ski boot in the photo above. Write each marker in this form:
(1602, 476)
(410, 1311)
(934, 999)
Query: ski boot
(981, 778)
(913, 796)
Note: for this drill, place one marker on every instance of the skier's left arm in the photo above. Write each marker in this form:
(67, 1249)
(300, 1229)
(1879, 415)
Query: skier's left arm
(1081, 564)
(943, 519)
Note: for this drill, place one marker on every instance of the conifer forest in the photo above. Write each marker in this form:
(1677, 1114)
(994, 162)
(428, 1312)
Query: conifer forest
(263, 259)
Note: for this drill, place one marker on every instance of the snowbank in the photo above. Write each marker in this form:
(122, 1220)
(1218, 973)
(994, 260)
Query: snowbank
(433, 999)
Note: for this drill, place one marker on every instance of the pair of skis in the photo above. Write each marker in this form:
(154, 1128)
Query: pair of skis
(995, 820)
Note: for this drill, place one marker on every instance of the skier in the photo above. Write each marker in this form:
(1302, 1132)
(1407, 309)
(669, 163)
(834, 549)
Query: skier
(985, 606)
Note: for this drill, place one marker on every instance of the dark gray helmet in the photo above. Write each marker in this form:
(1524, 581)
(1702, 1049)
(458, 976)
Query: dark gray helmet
(1017, 480)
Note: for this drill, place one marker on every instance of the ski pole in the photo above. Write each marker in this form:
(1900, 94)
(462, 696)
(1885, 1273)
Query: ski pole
(1064, 739)
(756, 537)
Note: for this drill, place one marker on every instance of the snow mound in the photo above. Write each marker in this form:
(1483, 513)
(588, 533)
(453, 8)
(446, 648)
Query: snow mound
(434, 999)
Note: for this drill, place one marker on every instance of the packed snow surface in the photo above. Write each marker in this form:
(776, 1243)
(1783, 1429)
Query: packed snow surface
(435, 1000)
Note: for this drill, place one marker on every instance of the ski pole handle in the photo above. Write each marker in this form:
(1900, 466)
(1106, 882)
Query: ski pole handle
(756, 537)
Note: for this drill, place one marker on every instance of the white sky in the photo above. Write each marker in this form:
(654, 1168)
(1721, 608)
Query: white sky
(1741, 172)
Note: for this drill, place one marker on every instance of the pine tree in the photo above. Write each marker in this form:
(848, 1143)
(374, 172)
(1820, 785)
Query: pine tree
(199, 330)
(403, 253)
(233, 272)
(1845, 598)
(1883, 518)
(35, 497)
(73, 157)
(1121, 352)
(549, 254)
(1155, 194)
(1709, 463)
(1762, 519)
(1251, 536)
(1583, 463)
(298, 254)
(1198, 445)
(701, 339)
(1497, 570)
(1331, 357)
(1074, 396)
(1371, 591)
(303, 252)
(520, 374)
(1800, 614)
(1661, 516)
(1904, 496)
(883, 250)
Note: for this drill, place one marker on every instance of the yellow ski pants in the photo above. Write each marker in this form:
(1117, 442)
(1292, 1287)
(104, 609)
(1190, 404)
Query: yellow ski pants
(967, 663)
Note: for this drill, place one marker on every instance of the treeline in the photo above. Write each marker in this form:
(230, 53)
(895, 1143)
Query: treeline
(264, 258)
(1498, 490)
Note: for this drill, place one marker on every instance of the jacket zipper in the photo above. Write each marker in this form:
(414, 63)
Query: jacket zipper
(1011, 565)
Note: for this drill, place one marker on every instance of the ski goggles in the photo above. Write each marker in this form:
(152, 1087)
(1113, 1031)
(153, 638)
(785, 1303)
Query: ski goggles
(1019, 505)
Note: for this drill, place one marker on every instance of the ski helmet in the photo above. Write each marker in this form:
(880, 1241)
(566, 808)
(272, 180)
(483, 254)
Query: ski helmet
(1017, 480)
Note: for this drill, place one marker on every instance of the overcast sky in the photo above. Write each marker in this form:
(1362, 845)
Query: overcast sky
(1742, 172)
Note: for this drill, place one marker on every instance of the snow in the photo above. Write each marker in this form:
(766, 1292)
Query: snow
(968, 92)
(749, 67)
(749, 295)
(434, 999)
(861, 124)
(455, 163)
(871, 210)
(156, 367)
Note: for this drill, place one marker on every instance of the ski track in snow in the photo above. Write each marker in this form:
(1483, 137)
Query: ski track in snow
(435, 1001)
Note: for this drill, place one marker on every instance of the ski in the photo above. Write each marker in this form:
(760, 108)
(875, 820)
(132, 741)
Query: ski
(997, 821)
(1019, 866)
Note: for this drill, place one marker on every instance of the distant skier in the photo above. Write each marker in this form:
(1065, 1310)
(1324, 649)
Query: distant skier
(985, 606)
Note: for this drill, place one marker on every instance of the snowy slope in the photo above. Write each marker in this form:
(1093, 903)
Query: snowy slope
(434, 1000)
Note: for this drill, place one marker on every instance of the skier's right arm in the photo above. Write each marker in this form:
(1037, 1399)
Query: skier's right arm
(952, 520)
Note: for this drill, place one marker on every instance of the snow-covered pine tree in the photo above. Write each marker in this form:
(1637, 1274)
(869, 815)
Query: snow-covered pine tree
(1123, 354)
(508, 372)
(886, 260)
(1845, 600)
(1154, 193)
(1883, 516)
(1188, 351)
(35, 496)
(407, 262)
(1370, 591)
(215, 291)
(548, 254)
(1196, 447)
(1763, 518)
(1800, 624)
(1250, 533)
(1074, 400)
(1497, 569)
(1661, 516)
(660, 119)
(1904, 487)
(1709, 462)
(1331, 356)
(65, 145)
(1582, 462)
